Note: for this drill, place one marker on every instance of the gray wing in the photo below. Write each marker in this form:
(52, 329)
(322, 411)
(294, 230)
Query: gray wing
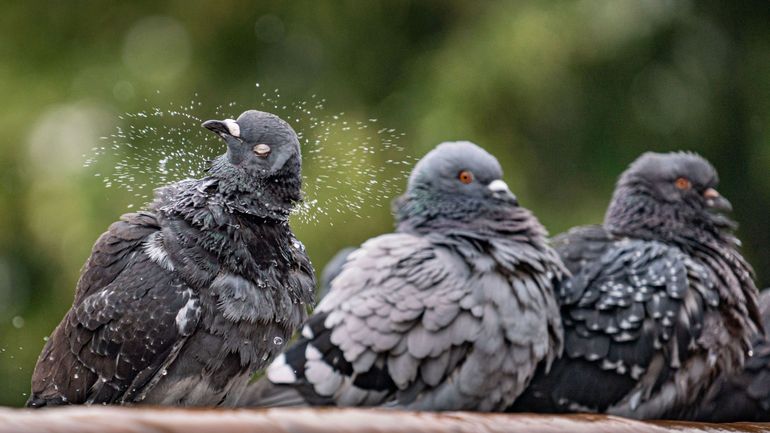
(413, 324)
(332, 269)
(633, 312)
(129, 319)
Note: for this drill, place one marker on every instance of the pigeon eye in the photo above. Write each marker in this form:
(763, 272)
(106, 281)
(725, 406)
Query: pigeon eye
(262, 150)
(683, 183)
(465, 177)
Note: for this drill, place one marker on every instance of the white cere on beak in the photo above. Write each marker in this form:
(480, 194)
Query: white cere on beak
(233, 127)
(498, 186)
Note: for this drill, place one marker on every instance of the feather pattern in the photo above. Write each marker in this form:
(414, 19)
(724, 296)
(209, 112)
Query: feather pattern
(454, 311)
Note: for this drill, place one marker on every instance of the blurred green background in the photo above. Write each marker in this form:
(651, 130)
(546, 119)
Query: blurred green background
(565, 93)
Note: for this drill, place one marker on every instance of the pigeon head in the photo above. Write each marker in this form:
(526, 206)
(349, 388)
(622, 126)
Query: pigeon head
(456, 180)
(261, 144)
(461, 170)
(262, 164)
(668, 195)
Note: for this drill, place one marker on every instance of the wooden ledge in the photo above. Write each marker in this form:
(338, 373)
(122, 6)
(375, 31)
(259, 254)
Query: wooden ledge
(106, 419)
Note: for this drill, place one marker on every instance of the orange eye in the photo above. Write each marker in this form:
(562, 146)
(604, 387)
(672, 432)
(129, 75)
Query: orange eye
(683, 183)
(465, 177)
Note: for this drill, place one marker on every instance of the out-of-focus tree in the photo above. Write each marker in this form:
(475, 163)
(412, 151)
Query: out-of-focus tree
(566, 93)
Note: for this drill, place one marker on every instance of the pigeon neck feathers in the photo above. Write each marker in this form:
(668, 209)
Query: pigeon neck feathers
(215, 199)
(272, 197)
(422, 212)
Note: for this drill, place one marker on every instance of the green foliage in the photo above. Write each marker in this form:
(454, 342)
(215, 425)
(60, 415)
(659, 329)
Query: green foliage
(565, 93)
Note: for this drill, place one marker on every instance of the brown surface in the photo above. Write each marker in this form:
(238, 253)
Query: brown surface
(82, 419)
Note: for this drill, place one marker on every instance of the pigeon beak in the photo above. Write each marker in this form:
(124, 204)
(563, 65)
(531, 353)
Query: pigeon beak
(715, 201)
(223, 127)
(500, 190)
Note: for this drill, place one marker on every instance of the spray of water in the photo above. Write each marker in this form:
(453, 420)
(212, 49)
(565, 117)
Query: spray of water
(347, 163)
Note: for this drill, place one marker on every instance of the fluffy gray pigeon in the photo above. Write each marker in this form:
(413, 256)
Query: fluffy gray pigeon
(660, 301)
(180, 304)
(745, 395)
(453, 311)
(332, 269)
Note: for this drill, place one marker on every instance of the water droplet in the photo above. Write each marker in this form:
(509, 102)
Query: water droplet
(160, 146)
(277, 341)
(17, 322)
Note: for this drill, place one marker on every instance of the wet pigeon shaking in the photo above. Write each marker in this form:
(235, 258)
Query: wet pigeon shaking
(181, 303)
(660, 301)
(453, 311)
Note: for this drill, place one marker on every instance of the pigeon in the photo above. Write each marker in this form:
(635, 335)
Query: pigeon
(332, 269)
(181, 303)
(660, 301)
(745, 395)
(453, 311)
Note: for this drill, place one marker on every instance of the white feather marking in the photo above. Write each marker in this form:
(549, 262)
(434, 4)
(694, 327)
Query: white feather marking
(311, 353)
(609, 365)
(318, 372)
(153, 247)
(575, 407)
(635, 399)
(307, 332)
(233, 127)
(280, 372)
(187, 312)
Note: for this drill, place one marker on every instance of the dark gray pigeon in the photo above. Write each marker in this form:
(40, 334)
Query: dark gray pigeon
(332, 269)
(745, 395)
(453, 311)
(660, 301)
(182, 303)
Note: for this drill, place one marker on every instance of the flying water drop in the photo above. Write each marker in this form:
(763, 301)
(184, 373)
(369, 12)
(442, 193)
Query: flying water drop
(348, 164)
(17, 322)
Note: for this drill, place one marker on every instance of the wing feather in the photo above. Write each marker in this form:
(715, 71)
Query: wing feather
(411, 323)
(627, 304)
(128, 320)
